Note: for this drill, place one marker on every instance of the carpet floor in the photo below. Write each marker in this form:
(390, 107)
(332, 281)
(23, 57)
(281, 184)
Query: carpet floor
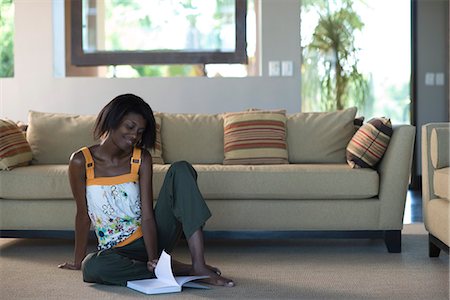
(262, 269)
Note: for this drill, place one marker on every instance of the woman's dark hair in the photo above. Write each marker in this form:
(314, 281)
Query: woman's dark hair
(110, 116)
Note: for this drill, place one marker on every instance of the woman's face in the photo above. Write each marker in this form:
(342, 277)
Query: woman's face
(129, 132)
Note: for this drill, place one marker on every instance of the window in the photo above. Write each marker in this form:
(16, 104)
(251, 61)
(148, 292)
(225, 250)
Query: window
(6, 38)
(139, 32)
(357, 53)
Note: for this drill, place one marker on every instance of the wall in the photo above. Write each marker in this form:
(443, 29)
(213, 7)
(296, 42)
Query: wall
(432, 103)
(34, 86)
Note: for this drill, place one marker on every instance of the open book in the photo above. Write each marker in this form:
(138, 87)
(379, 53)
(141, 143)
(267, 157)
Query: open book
(165, 282)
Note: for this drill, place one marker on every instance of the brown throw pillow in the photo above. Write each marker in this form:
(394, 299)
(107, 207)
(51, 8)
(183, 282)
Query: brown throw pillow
(369, 143)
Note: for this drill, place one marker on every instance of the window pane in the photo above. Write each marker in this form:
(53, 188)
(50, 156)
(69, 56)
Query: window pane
(148, 25)
(374, 66)
(6, 38)
(205, 37)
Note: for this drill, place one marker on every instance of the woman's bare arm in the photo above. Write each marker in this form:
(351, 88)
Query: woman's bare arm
(77, 178)
(148, 218)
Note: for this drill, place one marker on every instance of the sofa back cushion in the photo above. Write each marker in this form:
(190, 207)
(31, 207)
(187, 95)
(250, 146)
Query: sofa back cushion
(197, 138)
(320, 137)
(157, 151)
(53, 137)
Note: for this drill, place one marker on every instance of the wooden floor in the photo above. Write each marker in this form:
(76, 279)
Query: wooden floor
(413, 207)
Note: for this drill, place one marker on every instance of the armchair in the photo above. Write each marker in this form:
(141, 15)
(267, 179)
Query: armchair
(435, 185)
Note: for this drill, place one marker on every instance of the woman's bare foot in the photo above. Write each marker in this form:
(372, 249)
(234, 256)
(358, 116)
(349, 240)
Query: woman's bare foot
(214, 269)
(181, 269)
(214, 276)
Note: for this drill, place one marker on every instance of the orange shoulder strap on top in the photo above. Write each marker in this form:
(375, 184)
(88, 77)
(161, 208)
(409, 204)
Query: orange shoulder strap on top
(89, 163)
(135, 160)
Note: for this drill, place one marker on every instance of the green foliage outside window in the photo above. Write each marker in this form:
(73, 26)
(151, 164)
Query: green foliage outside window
(169, 70)
(330, 60)
(116, 9)
(6, 38)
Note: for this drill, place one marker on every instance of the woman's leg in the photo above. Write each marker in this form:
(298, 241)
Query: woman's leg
(116, 266)
(181, 207)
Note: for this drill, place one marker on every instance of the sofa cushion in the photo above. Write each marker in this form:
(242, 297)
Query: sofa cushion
(196, 138)
(36, 182)
(47, 130)
(302, 181)
(439, 147)
(369, 143)
(255, 137)
(221, 182)
(14, 149)
(441, 183)
(319, 137)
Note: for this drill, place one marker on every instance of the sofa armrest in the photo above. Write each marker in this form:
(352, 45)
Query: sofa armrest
(427, 166)
(394, 170)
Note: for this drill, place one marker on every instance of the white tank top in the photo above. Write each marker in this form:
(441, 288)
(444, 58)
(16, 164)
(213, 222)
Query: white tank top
(114, 204)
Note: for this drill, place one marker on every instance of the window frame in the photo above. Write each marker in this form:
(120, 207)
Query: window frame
(105, 58)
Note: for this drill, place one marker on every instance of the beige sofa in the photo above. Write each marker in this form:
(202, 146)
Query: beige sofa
(317, 192)
(435, 185)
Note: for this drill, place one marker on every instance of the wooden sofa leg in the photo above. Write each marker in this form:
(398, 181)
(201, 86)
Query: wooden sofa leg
(393, 240)
(433, 249)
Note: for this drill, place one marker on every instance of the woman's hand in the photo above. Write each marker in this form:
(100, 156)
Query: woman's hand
(151, 265)
(69, 266)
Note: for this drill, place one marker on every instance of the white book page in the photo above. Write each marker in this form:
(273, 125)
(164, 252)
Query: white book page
(163, 270)
(181, 280)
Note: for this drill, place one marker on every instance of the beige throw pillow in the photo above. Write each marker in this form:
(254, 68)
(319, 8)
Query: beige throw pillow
(255, 137)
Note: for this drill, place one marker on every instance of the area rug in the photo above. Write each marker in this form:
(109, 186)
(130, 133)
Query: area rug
(262, 269)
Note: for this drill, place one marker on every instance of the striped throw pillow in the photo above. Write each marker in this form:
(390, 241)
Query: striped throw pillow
(255, 137)
(157, 151)
(368, 145)
(14, 148)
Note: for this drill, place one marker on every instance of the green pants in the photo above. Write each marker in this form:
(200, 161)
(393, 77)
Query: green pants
(180, 207)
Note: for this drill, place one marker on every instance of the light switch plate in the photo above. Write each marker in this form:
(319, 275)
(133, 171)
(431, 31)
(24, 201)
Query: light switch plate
(287, 68)
(429, 78)
(439, 79)
(274, 68)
